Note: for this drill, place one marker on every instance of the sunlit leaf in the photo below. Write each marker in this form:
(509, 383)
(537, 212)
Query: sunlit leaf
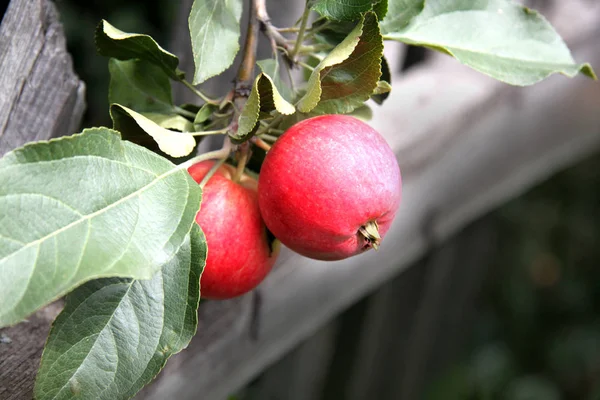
(112, 42)
(173, 143)
(114, 335)
(84, 207)
(499, 38)
(215, 31)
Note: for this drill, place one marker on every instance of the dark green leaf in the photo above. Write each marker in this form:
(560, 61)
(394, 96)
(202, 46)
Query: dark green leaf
(173, 143)
(139, 85)
(115, 335)
(342, 10)
(204, 113)
(85, 207)
(363, 113)
(112, 42)
(384, 87)
(499, 38)
(347, 77)
(215, 31)
(380, 9)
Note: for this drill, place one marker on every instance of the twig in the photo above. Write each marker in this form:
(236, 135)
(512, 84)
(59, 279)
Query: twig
(276, 39)
(211, 172)
(184, 112)
(244, 156)
(214, 132)
(305, 65)
(199, 93)
(300, 38)
(270, 138)
(211, 155)
(261, 143)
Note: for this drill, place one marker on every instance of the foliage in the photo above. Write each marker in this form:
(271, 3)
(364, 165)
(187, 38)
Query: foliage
(109, 220)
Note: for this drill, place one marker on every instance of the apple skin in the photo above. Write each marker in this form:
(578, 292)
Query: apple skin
(239, 252)
(324, 179)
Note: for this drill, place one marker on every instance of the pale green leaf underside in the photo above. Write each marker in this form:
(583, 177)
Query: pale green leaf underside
(342, 10)
(499, 38)
(270, 67)
(215, 32)
(173, 143)
(139, 85)
(112, 42)
(84, 207)
(170, 121)
(347, 77)
(114, 335)
(399, 14)
(264, 98)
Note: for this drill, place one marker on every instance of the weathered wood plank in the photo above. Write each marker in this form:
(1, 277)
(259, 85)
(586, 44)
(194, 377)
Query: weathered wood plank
(40, 95)
(467, 144)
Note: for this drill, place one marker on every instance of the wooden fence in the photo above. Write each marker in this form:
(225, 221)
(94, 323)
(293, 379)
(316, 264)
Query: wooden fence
(465, 143)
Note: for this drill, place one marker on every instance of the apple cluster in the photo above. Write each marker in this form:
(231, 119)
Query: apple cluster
(328, 189)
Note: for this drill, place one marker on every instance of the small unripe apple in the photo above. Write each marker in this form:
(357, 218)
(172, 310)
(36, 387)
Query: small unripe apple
(240, 254)
(329, 187)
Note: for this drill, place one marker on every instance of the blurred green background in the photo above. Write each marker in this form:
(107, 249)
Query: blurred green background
(537, 333)
(537, 336)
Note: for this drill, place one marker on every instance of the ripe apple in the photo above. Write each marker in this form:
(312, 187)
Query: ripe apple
(240, 254)
(329, 187)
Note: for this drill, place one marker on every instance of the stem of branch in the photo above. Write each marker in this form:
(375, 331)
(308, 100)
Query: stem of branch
(276, 39)
(300, 37)
(244, 154)
(261, 143)
(211, 172)
(223, 153)
(199, 93)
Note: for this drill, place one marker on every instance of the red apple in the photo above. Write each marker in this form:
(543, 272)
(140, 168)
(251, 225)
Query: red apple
(329, 187)
(240, 254)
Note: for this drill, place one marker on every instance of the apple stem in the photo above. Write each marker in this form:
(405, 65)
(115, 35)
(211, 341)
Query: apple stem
(370, 231)
(261, 143)
(244, 155)
(211, 172)
(222, 153)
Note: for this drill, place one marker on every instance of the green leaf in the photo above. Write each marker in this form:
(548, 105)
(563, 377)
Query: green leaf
(384, 87)
(204, 113)
(364, 113)
(215, 32)
(400, 13)
(499, 38)
(347, 77)
(139, 85)
(264, 99)
(115, 335)
(173, 143)
(170, 121)
(85, 207)
(381, 9)
(270, 67)
(342, 10)
(112, 42)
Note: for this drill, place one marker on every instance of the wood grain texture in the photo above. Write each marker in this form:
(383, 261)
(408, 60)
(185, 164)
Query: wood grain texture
(40, 95)
(466, 144)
